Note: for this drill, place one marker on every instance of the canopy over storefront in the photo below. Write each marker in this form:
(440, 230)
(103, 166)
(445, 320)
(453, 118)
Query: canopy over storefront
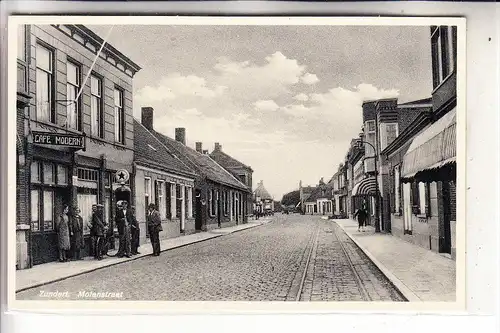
(367, 186)
(432, 148)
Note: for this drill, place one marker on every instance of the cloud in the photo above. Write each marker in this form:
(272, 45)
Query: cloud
(249, 81)
(176, 86)
(301, 97)
(268, 105)
(309, 78)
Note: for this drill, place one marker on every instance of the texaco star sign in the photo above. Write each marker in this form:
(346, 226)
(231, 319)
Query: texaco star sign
(122, 176)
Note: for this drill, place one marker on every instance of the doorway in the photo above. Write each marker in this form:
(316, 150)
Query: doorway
(198, 208)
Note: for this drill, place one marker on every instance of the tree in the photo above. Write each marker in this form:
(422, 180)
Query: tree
(291, 198)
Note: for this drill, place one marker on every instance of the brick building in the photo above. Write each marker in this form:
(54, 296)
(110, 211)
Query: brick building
(240, 170)
(424, 166)
(304, 193)
(219, 198)
(339, 186)
(68, 151)
(163, 179)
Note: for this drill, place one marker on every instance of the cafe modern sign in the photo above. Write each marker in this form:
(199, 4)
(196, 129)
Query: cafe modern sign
(59, 139)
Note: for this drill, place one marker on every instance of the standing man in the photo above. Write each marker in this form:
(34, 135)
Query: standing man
(153, 222)
(135, 233)
(76, 232)
(123, 223)
(97, 228)
(361, 214)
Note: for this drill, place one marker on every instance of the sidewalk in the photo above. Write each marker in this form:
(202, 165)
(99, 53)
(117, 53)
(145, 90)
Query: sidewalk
(40, 275)
(420, 274)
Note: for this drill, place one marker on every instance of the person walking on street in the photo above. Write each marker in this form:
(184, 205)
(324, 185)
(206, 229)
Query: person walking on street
(62, 229)
(123, 222)
(97, 229)
(135, 233)
(76, 233)
(362, 215)
(153, 222)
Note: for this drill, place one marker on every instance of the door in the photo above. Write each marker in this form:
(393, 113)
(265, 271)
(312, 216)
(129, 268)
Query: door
(445, 238)
(198, 209)
(407, 208)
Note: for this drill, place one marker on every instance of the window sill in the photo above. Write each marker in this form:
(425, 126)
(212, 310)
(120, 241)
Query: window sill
(56, 126)
(397, 214)
(443, 82)
(422, 216)
(107, 142)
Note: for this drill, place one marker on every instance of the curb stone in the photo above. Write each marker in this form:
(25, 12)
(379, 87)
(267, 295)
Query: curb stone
(212, 236)
(403, 289)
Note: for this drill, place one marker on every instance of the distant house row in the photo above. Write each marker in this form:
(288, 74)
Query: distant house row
(77, 142)
(402, 167)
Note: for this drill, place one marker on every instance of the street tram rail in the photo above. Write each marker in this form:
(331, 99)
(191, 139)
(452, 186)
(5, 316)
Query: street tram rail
(364, 293)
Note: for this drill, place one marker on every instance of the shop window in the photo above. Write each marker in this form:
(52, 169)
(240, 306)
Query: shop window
(44, 84)
(62, 175)
(85, 202)
(48, 173)
(48, 210)
(35, 172)
(72, 88)
(35, 202)
(87, 174)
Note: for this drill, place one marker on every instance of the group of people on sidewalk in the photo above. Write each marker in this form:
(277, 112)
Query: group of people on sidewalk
(70, 232)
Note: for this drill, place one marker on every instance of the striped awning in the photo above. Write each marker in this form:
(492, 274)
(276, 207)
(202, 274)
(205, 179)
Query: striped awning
(367, 186)
(432, 148)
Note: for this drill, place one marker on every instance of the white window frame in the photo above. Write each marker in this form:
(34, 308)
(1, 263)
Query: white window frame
(160, 183)
(397, 187)
(119, 115)
(72, 88)
(44, 109)
(422, 197)
(189, 202)
(173, 198)
(96, 114)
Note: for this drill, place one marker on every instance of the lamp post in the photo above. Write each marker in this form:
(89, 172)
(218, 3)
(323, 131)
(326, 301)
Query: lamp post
(377, 201)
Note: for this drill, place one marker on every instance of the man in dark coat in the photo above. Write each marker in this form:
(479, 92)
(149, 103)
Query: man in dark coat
(153, 221)
(97, 228)
(123, 221)
(135, 233)
(76, 233)
(362, 215)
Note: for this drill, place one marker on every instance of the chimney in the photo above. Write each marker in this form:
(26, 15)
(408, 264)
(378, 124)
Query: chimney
(205, 152)
(218, 147)
(180, 135)
(199, 147)
(147, 117)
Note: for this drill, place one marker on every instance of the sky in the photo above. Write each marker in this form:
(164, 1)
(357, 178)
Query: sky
(285, 100)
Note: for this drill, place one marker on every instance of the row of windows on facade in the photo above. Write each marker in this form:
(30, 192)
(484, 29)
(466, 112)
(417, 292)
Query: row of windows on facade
(45, 93)
(419, 195)
(169, 198)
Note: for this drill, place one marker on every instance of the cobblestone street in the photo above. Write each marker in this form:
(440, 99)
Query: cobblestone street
(293, 258)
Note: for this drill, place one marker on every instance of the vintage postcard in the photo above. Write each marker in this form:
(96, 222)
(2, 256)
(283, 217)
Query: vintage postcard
(273, 163)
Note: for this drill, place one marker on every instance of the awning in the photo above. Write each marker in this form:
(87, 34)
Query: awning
(432, 148)
(367, 186)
